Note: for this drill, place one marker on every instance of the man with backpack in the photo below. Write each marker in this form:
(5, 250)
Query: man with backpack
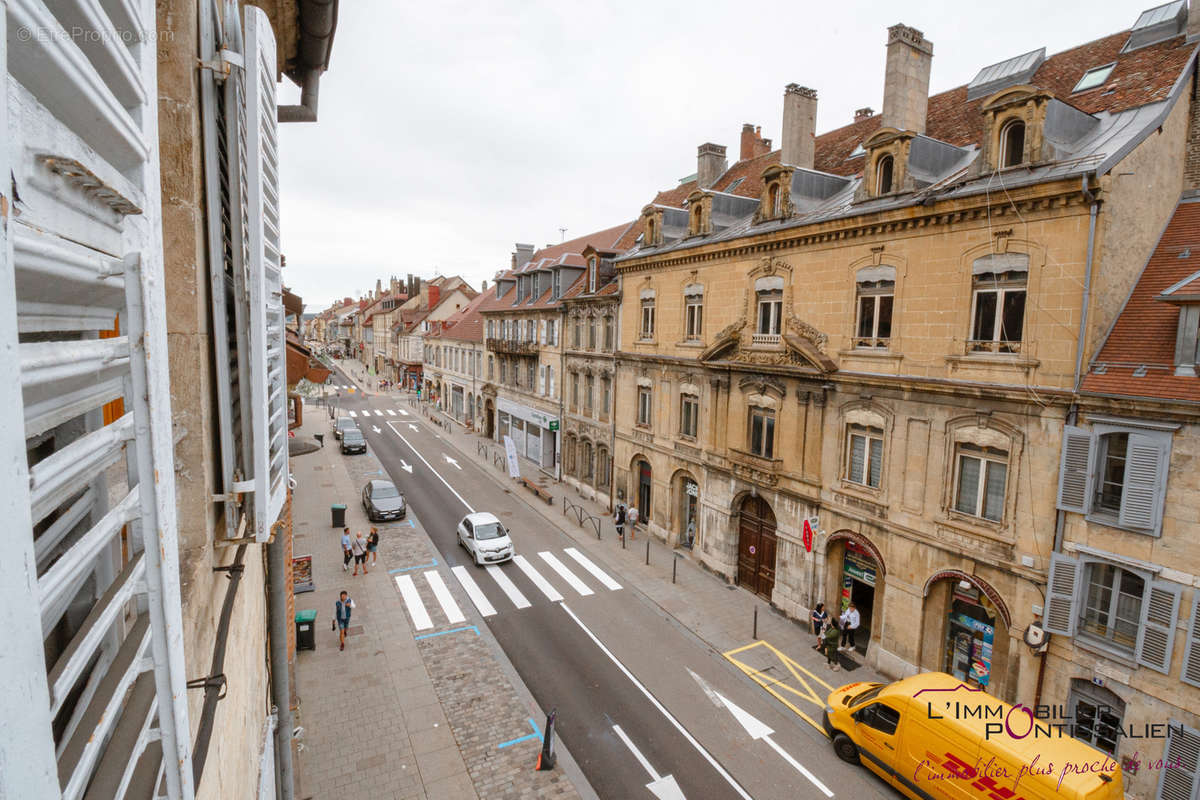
(619, 520)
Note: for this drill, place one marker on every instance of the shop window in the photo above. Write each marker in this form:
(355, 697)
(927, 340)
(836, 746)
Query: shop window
(998, 312)
(981, 481)
(1012, 144)
(883, 175)
(693, 322)
(875, 300)
(1097, 714)
(762, 432)
(643, 413)
(689, 415)
(864, 455)
(970, 634)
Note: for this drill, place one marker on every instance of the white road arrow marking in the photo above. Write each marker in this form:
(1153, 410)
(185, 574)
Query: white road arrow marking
(376, 429)
(663, 787)
(411, 426)
(757, 729)
(450, 460)
(404, 465)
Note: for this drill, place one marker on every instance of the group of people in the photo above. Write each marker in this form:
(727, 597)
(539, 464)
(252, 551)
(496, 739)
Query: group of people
(829, 630)
(625, 516)
(362, 549)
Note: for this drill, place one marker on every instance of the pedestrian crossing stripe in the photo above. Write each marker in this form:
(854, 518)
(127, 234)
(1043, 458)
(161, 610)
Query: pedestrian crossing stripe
(565, 573)
(391, 413)
(353, 414)
(473, 591)
(412, 599)
(442, 593)
(507, 586)
(536, 577)
(595, 571)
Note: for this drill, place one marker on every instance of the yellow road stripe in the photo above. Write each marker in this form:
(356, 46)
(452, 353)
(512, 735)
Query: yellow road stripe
(794, 669)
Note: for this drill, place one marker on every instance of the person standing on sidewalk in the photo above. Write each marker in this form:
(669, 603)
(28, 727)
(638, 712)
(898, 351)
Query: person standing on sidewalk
(819, 616)
(359, 548)
(619, 520)
(341, 610)
(850, 623)
(346, 554)
(831, 645)
(632, 518)
(373, 546)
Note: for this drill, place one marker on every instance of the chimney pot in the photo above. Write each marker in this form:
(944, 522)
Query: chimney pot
(710, 164)
(906, 79)
(863, 113)
(798, 141)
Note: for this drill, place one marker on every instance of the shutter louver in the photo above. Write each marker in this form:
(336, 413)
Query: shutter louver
(1156, 637)
(1060, 595)
(1140, 506)
(1183, 745)
(1190, 673)
(1075, 470)
(268, 374)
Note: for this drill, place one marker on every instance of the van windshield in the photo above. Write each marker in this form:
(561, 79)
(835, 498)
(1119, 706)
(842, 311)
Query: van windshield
(869, 694)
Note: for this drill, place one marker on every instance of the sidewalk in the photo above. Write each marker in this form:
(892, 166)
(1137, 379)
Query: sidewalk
(395, 716)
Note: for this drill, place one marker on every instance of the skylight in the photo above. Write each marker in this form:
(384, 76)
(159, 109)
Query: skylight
(734, 185)
(1094, 77)
(1012, 72)
(857, 151)
(1158, 14)
(1157, 24)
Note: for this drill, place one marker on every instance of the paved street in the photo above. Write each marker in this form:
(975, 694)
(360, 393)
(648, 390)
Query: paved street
(634, 664)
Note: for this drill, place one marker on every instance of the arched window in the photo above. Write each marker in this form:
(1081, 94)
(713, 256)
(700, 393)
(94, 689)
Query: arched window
(1012, 144)
(651, 236)
(883, 175)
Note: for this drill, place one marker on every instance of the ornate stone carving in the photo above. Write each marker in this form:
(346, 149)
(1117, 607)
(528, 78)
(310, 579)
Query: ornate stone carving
(769, 265)
(731, 330)
(803, 329)
(774, 358)
(762, 384)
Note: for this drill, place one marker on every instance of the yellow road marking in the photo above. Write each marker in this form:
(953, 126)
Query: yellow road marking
(805, 691)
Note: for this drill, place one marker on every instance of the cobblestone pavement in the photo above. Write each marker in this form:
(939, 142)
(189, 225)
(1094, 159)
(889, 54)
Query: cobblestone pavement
(394, 716)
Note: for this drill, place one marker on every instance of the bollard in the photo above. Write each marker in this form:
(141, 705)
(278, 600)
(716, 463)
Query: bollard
(674, 564)
(755, 635)
(622, 542)
(647, 552)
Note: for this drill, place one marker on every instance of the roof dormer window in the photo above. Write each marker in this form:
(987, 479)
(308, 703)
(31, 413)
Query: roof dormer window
(592, 275)
(884, 169)
(1012, 144)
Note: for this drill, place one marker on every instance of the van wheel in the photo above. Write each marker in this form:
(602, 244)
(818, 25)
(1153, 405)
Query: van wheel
(846, 749)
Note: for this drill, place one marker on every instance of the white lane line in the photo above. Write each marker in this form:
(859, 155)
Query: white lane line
(507, 586)
(565, 573)
(431, 469)
(636, 753)
(473, 591)
(416, 609)
(597, 573)
(353, 413)
(662, 709)
(537, 579)
(391, 413)
(442, 593)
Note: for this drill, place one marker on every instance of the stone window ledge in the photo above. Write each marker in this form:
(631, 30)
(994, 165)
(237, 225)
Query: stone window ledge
(1010, 361)
(871, 352)
(959, 523)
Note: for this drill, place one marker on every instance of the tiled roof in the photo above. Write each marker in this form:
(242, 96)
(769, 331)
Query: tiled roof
(1143, 338)
(465, 324)
(568, 253)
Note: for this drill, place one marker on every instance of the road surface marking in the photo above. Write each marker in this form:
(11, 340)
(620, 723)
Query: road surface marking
(442, 593)
(431, 469)
(537, 579)
(661, 708)
(417, 566)
(403, 413)
(508, 587)
(450, 460)
(663, 787)
(565, 573)
(416, 609)
(391, 413)
(378, 413)
(451, 630)
(537, 734)
(412, 427)
(757, 729)
(353, 413)
(597, 573)
(376, 429)
(469, 586)
(404, 465)
(803, 690)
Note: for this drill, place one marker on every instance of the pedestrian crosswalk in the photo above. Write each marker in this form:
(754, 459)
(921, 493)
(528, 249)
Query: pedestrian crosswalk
(493, 589)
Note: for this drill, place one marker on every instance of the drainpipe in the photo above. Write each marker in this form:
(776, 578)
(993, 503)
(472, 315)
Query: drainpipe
(281, 689)
(318, 22)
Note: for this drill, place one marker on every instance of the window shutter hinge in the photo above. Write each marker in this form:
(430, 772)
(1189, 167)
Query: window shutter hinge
(224, 63)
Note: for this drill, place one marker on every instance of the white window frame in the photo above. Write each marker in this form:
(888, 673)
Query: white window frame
(877, 295)
(987, 456)
(1001, 288)
(870, 458)
(689, 416)
(647, 329)
(765, 448)
(693, 327)
(770, 312)
(645, 408)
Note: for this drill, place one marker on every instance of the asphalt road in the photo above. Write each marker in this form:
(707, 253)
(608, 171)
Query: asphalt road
(611, 658)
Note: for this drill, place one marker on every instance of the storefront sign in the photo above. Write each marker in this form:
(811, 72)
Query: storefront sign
(858, 569)
(808, 536)
(553, 425)
(519, 411)
(692, 489)
(991, 594)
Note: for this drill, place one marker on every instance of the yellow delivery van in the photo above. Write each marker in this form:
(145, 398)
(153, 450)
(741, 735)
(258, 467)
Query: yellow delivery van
(932, 736)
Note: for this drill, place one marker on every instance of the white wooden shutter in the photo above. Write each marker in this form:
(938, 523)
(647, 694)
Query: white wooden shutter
(1180, 782)
(1156, 636)
(550, 378)
(1076, 469)
(542, 331)
(541, 380)
(80, 248)
(1190, 673)
(1060, 595)
(268, 372)
(1145, 481)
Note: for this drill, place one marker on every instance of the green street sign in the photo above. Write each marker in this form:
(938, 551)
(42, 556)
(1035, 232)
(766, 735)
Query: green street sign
(554, 425)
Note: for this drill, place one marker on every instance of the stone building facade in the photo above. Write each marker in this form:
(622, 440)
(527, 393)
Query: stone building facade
(454, 358)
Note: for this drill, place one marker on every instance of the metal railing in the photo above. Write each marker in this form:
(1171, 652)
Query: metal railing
(581, 516)
(766, 338)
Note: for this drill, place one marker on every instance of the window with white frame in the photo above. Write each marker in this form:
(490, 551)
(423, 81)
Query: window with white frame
(552, 332)
(762, 432)
(981, 481)
(693, 312)
(592, 269)
(998, 304)
(864, 455)
(647, 329)
(643, 407)
(1112, 604)
(529, 372)
(550, 379)
(541, 380)
(875, 289)
(605, 396)
(1116, 474)
(503, 371)
(768, 293)
(689, 415)
(556, 285)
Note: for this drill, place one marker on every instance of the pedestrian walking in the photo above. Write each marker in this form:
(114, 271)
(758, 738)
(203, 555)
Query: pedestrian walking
(359, 548)
(850, 623)
(341, 610)
(831, 645)
(346, 552)
(373, 546)
(819, 616)
(619, 520)
(632, 518)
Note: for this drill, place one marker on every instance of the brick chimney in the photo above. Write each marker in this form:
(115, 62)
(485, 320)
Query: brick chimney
(710, 164)
(378, 289)
(863, 113)
(906, 79)
(435, 294)
(753, 144)
(799, 126)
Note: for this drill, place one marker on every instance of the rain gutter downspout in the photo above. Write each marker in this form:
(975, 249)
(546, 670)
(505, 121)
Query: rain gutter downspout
(281, 686)
(318, 23)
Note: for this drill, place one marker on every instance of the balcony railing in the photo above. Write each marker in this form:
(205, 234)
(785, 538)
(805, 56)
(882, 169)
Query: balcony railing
(513, 347)
(767, 338)
(992, 346)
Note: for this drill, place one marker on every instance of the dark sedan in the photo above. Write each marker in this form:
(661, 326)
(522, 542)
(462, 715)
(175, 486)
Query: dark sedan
(353, 441)
(383, 501)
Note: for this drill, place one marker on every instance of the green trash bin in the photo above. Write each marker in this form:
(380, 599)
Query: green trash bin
(306, 630)
(338, 511)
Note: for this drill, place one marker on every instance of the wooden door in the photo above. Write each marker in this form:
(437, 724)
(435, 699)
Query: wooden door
(756, 546)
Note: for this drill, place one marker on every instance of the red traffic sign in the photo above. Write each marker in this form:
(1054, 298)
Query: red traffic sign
(808, 536)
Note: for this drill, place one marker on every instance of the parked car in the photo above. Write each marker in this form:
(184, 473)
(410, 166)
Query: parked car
(485, 538)
(353, 441)
(383, 501)
(341, 425)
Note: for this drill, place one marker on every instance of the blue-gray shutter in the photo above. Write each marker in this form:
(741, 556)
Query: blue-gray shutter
(1075, 469)
(1191, 654)
(1145, 482)
(1180, 782)
(1065, 574)
(1156, 636)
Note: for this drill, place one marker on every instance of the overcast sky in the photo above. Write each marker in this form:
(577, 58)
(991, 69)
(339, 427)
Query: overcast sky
(450, 130)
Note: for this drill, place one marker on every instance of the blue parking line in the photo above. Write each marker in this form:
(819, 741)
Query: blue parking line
(418, 566)
(537, 734)
(452, 630)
